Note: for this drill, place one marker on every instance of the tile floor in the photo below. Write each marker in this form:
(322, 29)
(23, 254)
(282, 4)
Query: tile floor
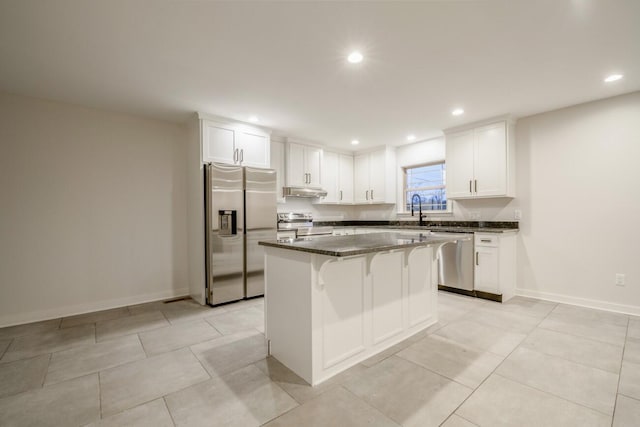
(524, 363)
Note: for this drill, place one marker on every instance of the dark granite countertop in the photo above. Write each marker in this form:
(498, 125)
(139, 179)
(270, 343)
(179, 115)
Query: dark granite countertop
(446, 226)
(341, 246)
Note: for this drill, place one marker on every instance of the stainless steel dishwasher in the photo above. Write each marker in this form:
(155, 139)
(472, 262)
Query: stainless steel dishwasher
(455, 265)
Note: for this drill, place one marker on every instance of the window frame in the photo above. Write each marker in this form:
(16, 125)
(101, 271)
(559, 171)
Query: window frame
(404, 188)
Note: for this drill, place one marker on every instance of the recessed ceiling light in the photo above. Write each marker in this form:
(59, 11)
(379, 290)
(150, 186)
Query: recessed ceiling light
(613, 78)
(457, 112)
(254, 119)
(355, 142)
(355, 57)
(411, 137)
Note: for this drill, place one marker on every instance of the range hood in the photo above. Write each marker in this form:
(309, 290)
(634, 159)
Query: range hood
(303, 192)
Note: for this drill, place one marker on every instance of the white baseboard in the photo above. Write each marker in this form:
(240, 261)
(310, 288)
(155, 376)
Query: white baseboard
(582, 302)
(72, 310)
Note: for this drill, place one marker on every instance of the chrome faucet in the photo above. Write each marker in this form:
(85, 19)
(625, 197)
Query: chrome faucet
(413, 199)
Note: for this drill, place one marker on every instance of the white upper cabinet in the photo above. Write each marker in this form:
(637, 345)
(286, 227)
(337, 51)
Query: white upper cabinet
(277, 164)
(375, 177)
(303, 165)
(345, 174)
(235, 144)
(337, 178)
(481, 161)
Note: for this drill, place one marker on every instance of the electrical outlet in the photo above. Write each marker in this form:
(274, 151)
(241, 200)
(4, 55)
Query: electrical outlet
(620, 278)
(517, 214)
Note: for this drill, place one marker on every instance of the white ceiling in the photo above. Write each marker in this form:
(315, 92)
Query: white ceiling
(285, 62)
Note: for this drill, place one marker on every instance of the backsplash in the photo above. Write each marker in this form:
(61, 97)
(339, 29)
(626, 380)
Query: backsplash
(501, 209)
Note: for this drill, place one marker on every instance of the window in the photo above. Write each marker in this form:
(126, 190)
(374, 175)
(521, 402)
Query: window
(428, 182)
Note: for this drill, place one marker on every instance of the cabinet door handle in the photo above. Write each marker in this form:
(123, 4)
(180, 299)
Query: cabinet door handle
(477, 263)
(366, 194)
(242, 155)
(309, 179)
(371, 194)
(470, 191)
(340, 195)
(475, 183)
(485, 240)
(235, 155)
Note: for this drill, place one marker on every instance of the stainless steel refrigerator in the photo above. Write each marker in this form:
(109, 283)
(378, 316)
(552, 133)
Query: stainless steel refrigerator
(240, 205)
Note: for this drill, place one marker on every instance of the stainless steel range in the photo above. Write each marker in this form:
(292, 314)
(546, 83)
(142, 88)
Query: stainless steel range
(299, 224)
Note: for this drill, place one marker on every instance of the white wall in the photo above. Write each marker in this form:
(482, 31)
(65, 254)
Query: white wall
(579, 190)
(93, 209)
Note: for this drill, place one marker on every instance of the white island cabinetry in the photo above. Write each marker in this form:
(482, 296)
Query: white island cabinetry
(325, 314)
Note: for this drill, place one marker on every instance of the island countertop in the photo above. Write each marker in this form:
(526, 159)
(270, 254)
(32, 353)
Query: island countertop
(357, 244)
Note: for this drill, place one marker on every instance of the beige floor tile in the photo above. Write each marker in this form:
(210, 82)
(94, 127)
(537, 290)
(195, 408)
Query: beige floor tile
(592, 314)
(114, 328)
(377, 358)
(523, 305)
(189, 311)
(585, 327)
(336, 407)
(630, 380)
(507, 320)
(452, 360)
(92, 358)
(129, 385)
(408, 394)
(576, 349)
(229, 353)
(458, 300)
(580, 384)
(502, 402)
(4, 344)
(242, 398)
(83, 319)
(627, 412)
(632, 350)
(425, 332)
(634, 328)
(146, 307)
(70, 403)
(152, 414)
(176, 336)
(482, 337)
(448, 314)
(22, 375)
(28, 329)
(48, 342)
(298, 388)
(240, 305)
(457, 421)
(238, 321)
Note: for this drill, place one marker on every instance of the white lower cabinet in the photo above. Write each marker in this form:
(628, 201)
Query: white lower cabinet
(495, 264)
(345, 309)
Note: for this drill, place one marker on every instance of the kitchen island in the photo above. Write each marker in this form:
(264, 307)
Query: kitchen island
(331, 302)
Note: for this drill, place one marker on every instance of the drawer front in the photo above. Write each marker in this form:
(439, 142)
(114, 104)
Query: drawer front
(486, 240)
